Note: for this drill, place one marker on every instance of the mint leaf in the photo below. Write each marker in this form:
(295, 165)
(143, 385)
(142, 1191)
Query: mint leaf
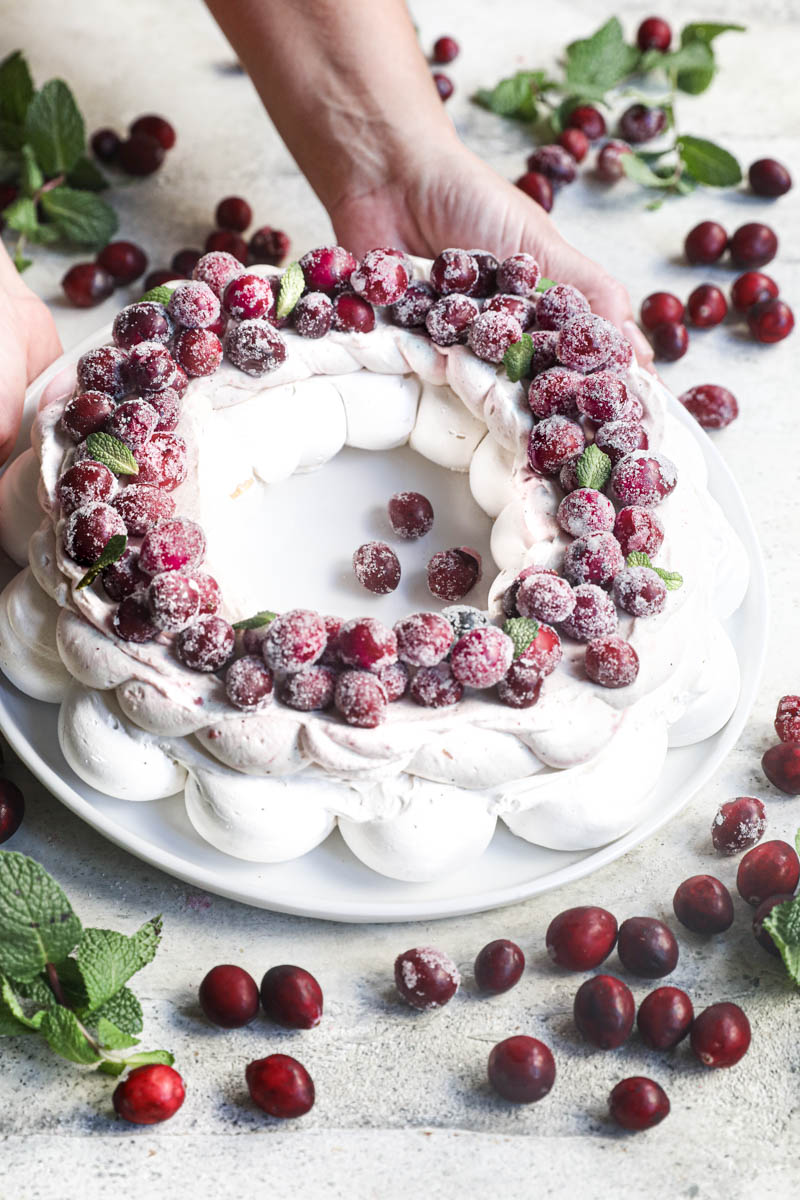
(706, 31)
(114, 454)
(292, 287)
(37, 924)
(113, 550)
(87, 175)
(13, 1021)
(639, 171)
(672, 579)
(16, 88)
(638, 558)
(593, 468)
(522, 631)
(63, 1034)
(708, 163)
(257, 622)
(123, 1010)
(54, 128)
(517, 358)
(141, 1059)
(159, 295)
(20, 215)
(545, 284)
(108, 959)
(783, 926)
(599, 62)
(31, 177)
(112, 1038)
(516, 95)
(80, 217)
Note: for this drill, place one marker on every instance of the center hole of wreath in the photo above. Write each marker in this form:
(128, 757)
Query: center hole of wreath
(290, 544)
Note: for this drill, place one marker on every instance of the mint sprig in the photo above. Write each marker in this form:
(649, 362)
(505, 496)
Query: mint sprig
(783, 926)
(112, 551)
(159, 295)
(256, 622)
(672, 579)
(522, 631)
(593, 468)
(114, 454)
(292, 287)
(65, 983)
(518, 357)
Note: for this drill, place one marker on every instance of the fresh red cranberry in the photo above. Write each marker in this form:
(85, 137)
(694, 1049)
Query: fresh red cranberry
(280, 1086)
(481, 657)
(491, 334)
(248, 296)
(703, 904)
(639, 591)
(581, 938)
(313, 315)
(575, 142)
(538, 187)
(352, 314)
(554, 162)
(327, 269)
(124, 577)
(132, 620)
(366, 643)
(454, 271)
(268, 245)
(670, 341)
(86, 413)
(445, 49)
(705, 243)
(225, 241)
(87, 284)
(665, 1017)
(291, 997)
(453, 573)
(751, 287)
(380, 277)
(174, 601)
(639, 529)
(712, 406)
(521, 1069)
(149, 1095)
(157, 127)
(163, 461)
(312, 688)
(141, 507)
(105, 144)
(554, 442)
(249, 683)
(545, 598)
(770, 320)
(410, 515)
(720, 1035)
(753, 245)
(444, 84)
(426, 978)
(768, 868)
(158, 278)
(738, 825)
(229, 996)
(146, 321)
(604, 1009)
(140, 154)
(647, 947)
(787, 719)
(423, 639)
(88, 530)
(641, 123)
(172, 545)
(768, 177)
(603, 397)
(207, 644)
(377, 567)
(706, 306)
(654, 34)
(661, 307)
(609, 166)
(555, 392)
(643, 478)
(498, 967)
(233, 213)
(124, 261)
(595, 558)
(12, 809)
(589, 120)
(184, 262)
(255, 347)
(518, 275)
(762, 935)
(559, 305)
(638, 1103)
(594, 614)
(435, 687)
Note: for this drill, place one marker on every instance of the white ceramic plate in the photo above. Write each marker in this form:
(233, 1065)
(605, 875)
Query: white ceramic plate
(331, 883)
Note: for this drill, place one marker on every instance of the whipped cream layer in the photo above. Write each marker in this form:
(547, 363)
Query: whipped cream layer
(419, 795)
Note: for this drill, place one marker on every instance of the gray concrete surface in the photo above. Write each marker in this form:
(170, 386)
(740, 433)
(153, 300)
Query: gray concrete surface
(403, 1109)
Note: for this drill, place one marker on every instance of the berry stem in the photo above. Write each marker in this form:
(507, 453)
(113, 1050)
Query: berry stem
(55, 984)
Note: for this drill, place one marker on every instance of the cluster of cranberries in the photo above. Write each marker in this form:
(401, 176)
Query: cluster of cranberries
(445, 50)
(144, 149)
(781, 763)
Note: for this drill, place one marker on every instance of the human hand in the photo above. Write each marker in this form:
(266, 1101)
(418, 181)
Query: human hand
(28, 344)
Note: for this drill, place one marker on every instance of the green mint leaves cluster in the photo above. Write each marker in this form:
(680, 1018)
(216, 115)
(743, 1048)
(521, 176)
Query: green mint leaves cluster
(522, 631)
(604, 69)
(68, 984)
(593, 468)
(519, 358)
(43, 155)
(113, 550)
(259, 621)
(783, 926)
(672, 579)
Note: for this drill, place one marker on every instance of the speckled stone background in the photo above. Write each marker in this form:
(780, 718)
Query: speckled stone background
(403, 1109)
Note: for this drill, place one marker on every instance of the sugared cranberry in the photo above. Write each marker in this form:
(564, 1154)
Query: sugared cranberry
(609, 166)
(453, 573)
(206, 645)
(638, 1103)
(595, 558)
(88, 530)
(423, 639)
(586, 342)
(268, 245)
(487, 273)
(738, 825)
(554, 162)
(554, 442)
(519, 275)
(545, 598)
(762, 935)
(544, 344)
(445, 49)
(133, 422)
(643, 478)
(767, 869)
(291, 997)
(124, 261)
(150, 367)
(750, 288)
(706, 306)
(233, 213)
(555, 393)
(294, 639)
(703, 904)
(124, 577)
(377, 567)
(366, 643)
(249, 683)
(639, 591)
(312, 316)
(140, 154)
(380, 277)
(665, 1017)
(720, 1035)
(414, 305)
(198, 351)
(705, 243)
(670, 341)
(481, 657)
(770, 320)
(12, 809)
(146, 321)
(132, 620)
(638, 529)
(559, 305)
(395, 679)
(248, 296)
(86, 413)
(87, 284)
(593, 616)
(604, 1009)
(149, 1095)
(229, 996)
(174, 601)
(449, 319)
(603, 397)
(410, 514)
(255, 347)
(538, 187)
(491, 334)
(225, 241)
(217, 269)
(163, 461)
(172, 545)
(520, 307)
(661, 307)
(454, 271)
(426, 978)
(512, 591)
(327, 269)
(543, 654)
(193, 304)
(589, 120)
(581, 938)
(753, 245)
(575, 142)
(352, 314)
(105, 144)
(435, 687)
(312, 688)
(521, 1069)
(712, 406)
(444, 84)
(642, 123)
(498, 967)
(647, 947)
(654, 34)
(209, 592)
(620, 438)
(768, 177)
(141, 507)
(787, 719)
(280, 1086)
(520, 687)
(184, 262)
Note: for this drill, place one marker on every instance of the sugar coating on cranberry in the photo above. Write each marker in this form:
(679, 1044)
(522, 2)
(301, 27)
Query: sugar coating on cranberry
(366, 643)
(395, 679)
(638, 529)
(167, 404)
(586, 342)
(141, 507)
(738, 824)
(453, 573)
(595, 558)
(543, 653)
(639, 591)
(312, 316)
(553, 443)
(621, 356)
(198, 351)
(103, 369)
(554, 392)
(83, 483)
(133, 422)
(611, 662)
(124, 577)
(309, 689)
(426, 978)
(207, 644)
(520, 307)
(352, 314)
(644, 478)
(327, 268)
(603, 397)
(519, 275)
(559, 305)
(209, 592)
(481, 657)
(454, 270)
(88, 529)
(435, 687)
(520, 687)
(512, 591)
(255, 347)
(787, 719)
(545, 598)
(145, 321)
(163, 461)
(150, 367)
(380, 277)
(423, 639)
(361, 699)
(171, 545)
(85, 413)
(249, 683)
(543, 343)
(449, 319)
(593, 616)
(487, 273)
(491, 334)
(410, 311)
(193, 305)
(377, 567)
(216, 269)
(132, 620)
(410, 514)
(586, 511)
(294, 639)
(174, 601)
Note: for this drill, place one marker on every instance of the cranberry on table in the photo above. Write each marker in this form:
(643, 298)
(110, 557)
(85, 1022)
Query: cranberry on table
(647, 947)
(521, 1069)
(768, 177)
(149, 1095)
(604, 1009)
(641, 123)
(12, 809)
(156, 127)
(280, 1086)
(229, 996)
(589, 120)
(581, 938)
(291, 997)
(233, 213)
(445, 49)
(361, 699)
(426, 978)
(609, 166)
(639, 529)
(665, 1017)
(611, 662)
(410, 514)
(703, 904)
(738, 825)
(787, 719)
(538, 187)
(249, 683)
(712, 406)
(444, 84)
(706, 306)
(225, 241)
(753, 245)
(575, 142)
(660, 307)
(751, 287)
(105, 143)
(654, 34)
(762, 935)
(720, 1035)
(87, 284)
(670, 341)
(555, 162)
(140, 154)
(453, 573)
(768, 868)
(124, 261)
(770, 320)
(638, 1103)
(268, 245)
(705, 243)
(377, 567)
(499, 966)
(410, 311)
